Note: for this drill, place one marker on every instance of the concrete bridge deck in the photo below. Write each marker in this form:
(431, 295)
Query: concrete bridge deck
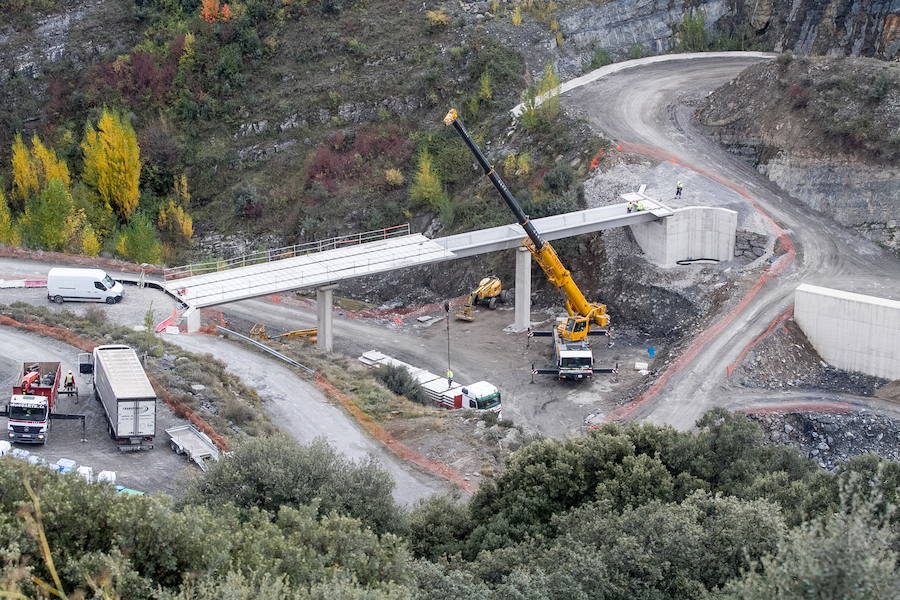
(331, 266)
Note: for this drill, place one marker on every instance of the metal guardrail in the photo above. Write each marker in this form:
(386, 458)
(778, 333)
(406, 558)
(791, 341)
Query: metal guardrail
(265, 348)
(264, 256)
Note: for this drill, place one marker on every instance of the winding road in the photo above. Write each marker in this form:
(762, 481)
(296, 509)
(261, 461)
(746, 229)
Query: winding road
(644, 109)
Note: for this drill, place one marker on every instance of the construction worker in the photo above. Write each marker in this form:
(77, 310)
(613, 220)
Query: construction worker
(69, 382)
(630, 206)
(449, 378)
(639, 206)
(678, 188)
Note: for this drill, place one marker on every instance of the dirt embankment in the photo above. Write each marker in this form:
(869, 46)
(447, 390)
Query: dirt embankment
(786, 360)
(823, 129)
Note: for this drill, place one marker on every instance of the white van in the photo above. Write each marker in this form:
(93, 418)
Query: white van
(82, 285)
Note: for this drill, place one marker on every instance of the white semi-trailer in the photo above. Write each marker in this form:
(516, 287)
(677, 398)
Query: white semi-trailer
(128, 399)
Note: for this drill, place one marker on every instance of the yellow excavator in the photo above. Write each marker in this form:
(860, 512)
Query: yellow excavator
(259, 332)
(572, 332)
(489, 292)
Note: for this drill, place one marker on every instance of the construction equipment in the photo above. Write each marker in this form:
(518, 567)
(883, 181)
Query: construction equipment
(33, 404)
(33, 401)
(259, 332)
(489, 292)
(572, 330)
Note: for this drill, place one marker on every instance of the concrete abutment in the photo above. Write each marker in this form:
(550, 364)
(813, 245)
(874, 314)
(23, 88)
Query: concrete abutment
(691, 233)
(851, 331)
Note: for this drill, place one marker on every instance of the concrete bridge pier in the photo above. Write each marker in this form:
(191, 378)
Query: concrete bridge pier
(324, 317)
(523, 290)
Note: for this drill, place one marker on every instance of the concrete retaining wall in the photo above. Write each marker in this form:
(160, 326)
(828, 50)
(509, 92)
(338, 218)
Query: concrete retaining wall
(851, 331)
(692, 232)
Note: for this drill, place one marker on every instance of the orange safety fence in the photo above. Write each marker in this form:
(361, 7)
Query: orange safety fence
(782, 317)
(395, 446)
(85, 345)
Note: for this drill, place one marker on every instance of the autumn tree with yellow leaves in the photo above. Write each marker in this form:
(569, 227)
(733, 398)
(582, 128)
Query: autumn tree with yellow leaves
(112, 164)
(34, 168)
(9, 233)
(173, 216)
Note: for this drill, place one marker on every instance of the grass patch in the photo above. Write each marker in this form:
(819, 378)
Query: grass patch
(359, 383)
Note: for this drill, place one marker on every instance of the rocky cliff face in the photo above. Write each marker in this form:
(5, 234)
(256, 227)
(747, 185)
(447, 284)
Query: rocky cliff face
(825, 130)
(831, 27)
(69, 40)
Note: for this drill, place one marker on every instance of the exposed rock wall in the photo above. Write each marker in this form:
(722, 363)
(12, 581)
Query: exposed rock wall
(864, 198)
(830, 27)
(72, 39)
(824, 130)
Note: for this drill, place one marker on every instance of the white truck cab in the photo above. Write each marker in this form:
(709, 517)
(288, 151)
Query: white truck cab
(82, 285)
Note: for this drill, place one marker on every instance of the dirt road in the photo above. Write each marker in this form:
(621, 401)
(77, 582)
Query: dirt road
(648, 106)
(301, 410)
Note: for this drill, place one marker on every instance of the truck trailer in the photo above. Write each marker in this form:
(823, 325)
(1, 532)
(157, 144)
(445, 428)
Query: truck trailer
(128, 399)
(32, 402)
(481, 395)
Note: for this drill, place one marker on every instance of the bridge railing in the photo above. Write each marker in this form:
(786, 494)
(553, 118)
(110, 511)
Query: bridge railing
(263, 256)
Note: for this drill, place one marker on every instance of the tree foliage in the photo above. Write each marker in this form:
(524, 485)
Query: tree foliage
(426, 187)
(49, 221)
(636, 512)
(34, 168)
(112, 164)
(692, 32)
(541, 106)
(272, 472)
(139, 242)
(140, 548)
(24, 173)
(848, 554)
(9, 232)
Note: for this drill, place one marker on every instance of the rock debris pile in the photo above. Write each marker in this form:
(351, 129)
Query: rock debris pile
(830, 439)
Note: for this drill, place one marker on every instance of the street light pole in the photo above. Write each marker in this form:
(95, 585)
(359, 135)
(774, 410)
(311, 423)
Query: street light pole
(447, 311)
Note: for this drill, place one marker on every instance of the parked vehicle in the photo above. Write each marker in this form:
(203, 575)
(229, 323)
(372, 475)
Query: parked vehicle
(32, 402)
(480, 395)
(128, 399)
(82, 285)
(187, 439)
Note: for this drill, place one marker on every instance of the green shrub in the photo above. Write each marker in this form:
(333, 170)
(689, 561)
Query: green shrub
(398, 380)
(272, 472)
(600, 58)
(559, 179)
(692, 32)
(139, 242)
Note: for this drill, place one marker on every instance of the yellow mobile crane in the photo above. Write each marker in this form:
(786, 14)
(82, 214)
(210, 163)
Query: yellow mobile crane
(574, 359)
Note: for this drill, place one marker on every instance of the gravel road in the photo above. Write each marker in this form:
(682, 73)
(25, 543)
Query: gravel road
(301, 410)
(650, 105)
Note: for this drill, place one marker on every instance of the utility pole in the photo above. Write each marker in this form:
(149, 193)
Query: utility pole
(447, 314)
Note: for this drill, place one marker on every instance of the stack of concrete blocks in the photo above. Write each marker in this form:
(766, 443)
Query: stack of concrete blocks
(851, 331)
(690, 233)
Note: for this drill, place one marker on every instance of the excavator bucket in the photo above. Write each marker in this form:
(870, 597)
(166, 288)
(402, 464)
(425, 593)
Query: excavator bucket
(466, 314)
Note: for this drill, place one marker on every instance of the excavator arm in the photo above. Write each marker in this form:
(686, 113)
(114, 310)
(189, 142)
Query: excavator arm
(582, 313)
